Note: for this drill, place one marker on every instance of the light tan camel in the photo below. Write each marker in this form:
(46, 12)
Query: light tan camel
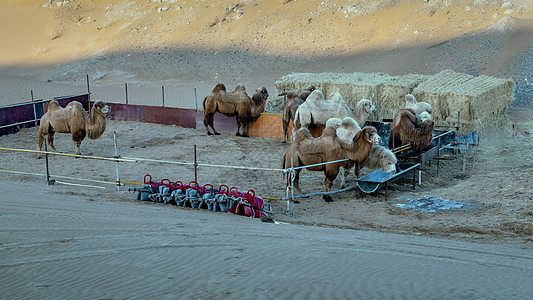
(380, 157)
(407, 128)
(328, 147)
(236, 103)
(317, 110)
(75, 120)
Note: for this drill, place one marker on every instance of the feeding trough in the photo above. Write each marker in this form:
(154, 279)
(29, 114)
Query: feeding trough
(376, 180)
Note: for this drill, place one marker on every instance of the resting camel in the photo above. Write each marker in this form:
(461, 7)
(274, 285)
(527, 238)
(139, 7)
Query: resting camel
(418, 107)
(316, 110)
(293, 101)
(75, 120)
(407, 128)
(236, 103)
(328, 147)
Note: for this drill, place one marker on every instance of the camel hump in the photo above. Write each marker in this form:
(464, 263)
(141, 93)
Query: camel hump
(53, 105)
(315, 96)
(336, 96)
(219, 87)
(240, 87)
(410, 99)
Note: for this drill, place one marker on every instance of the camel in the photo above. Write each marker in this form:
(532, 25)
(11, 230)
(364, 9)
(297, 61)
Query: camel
(236, 103)
(381, 158)
(418, 107)
(293, 101)
(328, 147)
(407, 128)
(73, 119)
(316, 110)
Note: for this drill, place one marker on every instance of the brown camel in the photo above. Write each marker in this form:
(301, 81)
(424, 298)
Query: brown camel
(328, 147)
(293, 101)
(75, 120)
(308, 90)
(236, 103)
(407, 128)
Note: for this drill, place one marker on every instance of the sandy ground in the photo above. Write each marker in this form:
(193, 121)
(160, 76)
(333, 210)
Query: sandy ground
(58, 241)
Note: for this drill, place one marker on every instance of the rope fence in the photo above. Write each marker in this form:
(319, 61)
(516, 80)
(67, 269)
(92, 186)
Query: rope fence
(119, 182)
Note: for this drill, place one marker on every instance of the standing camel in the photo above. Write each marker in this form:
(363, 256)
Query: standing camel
(236, 103)
(75, 120)
(293, 101)
(328, 147)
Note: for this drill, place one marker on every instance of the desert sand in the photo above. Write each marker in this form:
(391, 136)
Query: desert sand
(72, 241)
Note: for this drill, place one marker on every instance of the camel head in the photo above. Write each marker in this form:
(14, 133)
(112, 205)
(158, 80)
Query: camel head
(366, 105)
(385, 159)
(263, 91)
(370, 134)
(310, 88)
(101, 107)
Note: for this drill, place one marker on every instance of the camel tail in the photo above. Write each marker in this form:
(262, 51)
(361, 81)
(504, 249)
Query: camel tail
(296, 122)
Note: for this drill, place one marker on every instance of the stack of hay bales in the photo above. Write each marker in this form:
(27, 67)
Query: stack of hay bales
(481, 101)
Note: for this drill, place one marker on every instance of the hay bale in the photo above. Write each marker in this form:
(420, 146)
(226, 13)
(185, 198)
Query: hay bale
(479, 102)
(275, 104)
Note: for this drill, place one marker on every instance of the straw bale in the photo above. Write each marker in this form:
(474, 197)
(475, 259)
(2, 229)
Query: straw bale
(480, 102)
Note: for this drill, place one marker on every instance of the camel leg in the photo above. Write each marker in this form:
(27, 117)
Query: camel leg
(40, 142)
(208, 121)
(343, 173)
(77, 138)
(245, 129)
(238, 122)
(285, 129)
(297, 181)
(77, 146)
(206, 124)
(331, 174)
(51, 140)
